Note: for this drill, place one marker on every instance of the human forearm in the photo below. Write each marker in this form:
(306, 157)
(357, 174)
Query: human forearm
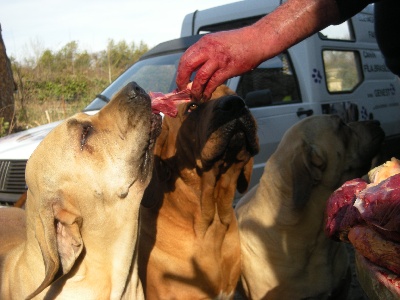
(292, 22)
(222, 55)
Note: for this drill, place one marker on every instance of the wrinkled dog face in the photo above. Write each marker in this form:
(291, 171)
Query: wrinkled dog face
(104, 154)
(221, 129)
(361, 142)
(323, 151)
(337, 150)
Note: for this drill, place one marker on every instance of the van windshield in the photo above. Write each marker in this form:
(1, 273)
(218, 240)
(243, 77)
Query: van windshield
(156, 74)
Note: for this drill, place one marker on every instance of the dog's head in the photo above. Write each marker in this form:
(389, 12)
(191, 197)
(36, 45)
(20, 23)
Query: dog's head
(216, 134)
(84, 169)
(323, 150)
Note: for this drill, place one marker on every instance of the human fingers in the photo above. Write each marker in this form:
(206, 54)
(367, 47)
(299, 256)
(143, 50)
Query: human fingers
(215, 81)
(190, 61)
(201, 80)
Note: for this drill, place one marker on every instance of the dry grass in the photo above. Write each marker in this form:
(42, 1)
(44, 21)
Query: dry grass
(36, 113)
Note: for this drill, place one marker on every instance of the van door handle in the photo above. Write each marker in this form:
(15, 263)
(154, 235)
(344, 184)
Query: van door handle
(307, 112)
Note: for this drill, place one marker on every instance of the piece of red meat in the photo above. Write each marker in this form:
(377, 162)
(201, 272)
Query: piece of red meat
(376, 248)
(368, 216)
(378, 282)
(379, 205)
(167, 103)
(340, 212)
(355, 202)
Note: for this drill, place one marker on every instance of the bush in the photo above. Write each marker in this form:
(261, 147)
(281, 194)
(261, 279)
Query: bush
(57, 85)
(4, 126)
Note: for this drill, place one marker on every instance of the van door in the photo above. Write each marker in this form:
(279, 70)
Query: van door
(272, 93)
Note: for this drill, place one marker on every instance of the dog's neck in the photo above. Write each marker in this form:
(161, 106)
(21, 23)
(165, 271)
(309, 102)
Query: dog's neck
(216, 196)
(276, 195)
(208, 199)
(108, 250)
(117, 249)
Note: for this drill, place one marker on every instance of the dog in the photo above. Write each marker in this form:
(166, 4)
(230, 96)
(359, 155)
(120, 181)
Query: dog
(189, 242)
(21, 200)
(285, 253)
(77, 237)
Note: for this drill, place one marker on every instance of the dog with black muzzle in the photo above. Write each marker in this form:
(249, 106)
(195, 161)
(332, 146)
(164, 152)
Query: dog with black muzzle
(189, 240)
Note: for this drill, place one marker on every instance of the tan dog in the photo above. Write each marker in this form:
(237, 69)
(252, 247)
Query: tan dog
(285, 253)
(189, 241)
(86, 180)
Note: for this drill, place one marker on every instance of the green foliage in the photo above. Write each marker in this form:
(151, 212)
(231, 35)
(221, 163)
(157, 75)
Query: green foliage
(4, 126)
(59, 83)
(67, 88)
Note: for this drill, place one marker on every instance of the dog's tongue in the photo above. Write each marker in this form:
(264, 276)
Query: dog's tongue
(167, 103)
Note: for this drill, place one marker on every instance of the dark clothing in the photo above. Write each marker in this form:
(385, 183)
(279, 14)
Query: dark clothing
(348, 8)
(387, 26)
(387, 32)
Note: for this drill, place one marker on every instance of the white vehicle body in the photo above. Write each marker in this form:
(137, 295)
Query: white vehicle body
(322, 86)
(338, 71)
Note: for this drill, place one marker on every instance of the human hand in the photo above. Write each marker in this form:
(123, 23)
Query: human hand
(218, 57)
(222, 55)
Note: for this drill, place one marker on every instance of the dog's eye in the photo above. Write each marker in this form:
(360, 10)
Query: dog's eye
(86, 130)
(192, 107)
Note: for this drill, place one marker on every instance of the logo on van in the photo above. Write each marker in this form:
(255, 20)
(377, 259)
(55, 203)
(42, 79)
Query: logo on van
(390, 91)
(364, 113)
(316, 75)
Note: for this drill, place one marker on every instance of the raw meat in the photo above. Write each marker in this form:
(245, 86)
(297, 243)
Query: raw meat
(376, 249)
(167, 103)
(341, 214)
(368, 215)
(384, 171)
(377, 204)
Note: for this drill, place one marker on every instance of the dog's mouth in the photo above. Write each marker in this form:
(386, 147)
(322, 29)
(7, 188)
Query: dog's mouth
(243, 136)
(231, 141)
(368, 146)
(155, 130)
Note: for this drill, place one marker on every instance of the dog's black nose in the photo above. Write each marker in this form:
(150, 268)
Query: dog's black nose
(135, 90)
(231, 103)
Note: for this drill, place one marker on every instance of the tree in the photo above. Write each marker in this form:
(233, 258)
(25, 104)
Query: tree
(7, 88)
(66, 57)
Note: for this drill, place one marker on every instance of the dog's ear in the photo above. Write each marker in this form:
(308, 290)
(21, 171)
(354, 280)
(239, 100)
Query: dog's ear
(46, 237)
(69, 239)
(59, 238)
(307, 167)
(245, 176)
(220, 91)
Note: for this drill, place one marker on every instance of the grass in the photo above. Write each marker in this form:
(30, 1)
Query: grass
(35, 113)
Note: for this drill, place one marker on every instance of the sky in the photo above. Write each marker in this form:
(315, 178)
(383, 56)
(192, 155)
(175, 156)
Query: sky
(31, 26)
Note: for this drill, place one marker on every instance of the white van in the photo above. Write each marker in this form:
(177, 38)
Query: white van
(337, 71)
(340, 70)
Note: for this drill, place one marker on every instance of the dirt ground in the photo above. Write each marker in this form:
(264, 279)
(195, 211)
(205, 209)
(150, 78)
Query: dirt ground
(355, 293)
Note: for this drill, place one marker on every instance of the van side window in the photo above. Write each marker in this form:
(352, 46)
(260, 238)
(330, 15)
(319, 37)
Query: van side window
(341, 32)
(273, 82)
(342, 70)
